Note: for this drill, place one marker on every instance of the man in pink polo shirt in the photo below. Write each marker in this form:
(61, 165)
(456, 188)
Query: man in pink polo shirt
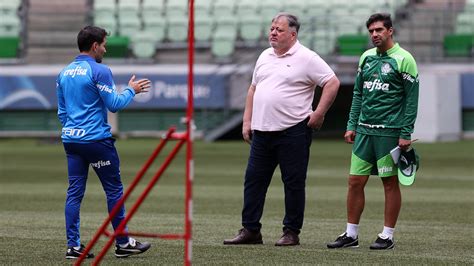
(278, 122)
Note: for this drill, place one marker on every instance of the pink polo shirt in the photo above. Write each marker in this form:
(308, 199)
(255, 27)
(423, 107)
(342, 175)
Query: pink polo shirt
(285, 87)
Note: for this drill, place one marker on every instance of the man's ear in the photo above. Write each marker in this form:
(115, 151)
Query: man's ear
(95, 46)
(390, 30)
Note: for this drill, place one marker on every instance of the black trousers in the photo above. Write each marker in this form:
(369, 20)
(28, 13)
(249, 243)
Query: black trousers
(290, 150)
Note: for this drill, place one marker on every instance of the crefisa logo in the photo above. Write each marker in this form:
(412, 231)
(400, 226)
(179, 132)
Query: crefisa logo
(100, 164)
(377, 84)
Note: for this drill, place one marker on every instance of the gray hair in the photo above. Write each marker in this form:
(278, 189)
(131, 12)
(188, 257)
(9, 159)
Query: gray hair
(293, 22)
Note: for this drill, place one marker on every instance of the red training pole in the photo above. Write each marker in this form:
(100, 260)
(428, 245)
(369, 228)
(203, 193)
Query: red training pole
(189, 141)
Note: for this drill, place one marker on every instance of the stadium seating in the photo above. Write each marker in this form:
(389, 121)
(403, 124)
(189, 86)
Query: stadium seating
(9, 7)
(319, 28)
(247, 8)
(465, 23)
(177, 28)
(143, 44)
(202, 8)
(155, 25)
(352, 44)
(129, 25)
(250, 28)
(9, 46)
(223, 8)
(10, 28)
(176, 8)
(461, 42)
(203, 28)
(223, 39)
(117, 46)
(152, 8)
(10, 25)
(458, 45)
(296, 7)
(109, 23)
(128, 8)
(323, 41)
(268, 9)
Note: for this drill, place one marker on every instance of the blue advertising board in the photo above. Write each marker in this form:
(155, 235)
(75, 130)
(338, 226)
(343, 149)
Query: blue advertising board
(21, 92)
(467, 90)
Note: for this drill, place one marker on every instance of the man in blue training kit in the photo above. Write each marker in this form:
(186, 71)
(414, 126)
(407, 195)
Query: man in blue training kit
(85, 91)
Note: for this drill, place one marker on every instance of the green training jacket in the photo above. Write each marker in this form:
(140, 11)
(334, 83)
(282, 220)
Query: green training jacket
(385, 97)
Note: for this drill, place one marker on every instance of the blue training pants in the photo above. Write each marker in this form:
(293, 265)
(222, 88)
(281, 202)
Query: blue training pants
(103, 158)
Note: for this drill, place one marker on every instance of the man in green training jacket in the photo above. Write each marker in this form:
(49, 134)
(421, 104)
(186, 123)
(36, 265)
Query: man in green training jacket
(382, 116)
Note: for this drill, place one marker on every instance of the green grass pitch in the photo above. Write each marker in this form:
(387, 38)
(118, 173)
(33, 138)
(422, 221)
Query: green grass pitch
(435, 225)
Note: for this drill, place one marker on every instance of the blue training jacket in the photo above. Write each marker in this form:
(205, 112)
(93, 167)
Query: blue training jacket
(85, 91)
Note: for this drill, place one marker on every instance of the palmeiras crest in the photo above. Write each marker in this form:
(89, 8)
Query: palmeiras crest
(386, 68)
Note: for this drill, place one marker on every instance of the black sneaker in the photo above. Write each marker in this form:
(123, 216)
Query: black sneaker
(133, 248)
(73, 253)
(382, 243)
(344, 241)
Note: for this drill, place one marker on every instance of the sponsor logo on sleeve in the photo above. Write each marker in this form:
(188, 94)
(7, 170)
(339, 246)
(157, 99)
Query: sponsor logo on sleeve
(103, 87)
(408, 77)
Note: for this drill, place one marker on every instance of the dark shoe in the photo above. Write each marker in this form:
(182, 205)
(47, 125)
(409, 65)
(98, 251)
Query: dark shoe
(73, 253)
(289, 238)
(245, 236)
(344, 241)
(382, 243)
(133, 248)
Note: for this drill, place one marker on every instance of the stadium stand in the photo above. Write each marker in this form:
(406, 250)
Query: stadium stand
(167, 19)
(461, 42)
(52, 29)
(429, 28)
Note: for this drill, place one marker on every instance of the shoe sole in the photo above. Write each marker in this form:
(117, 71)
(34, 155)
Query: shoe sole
(287, 245)
(132, 252)
(129, 254)
(248, 243)
(350, 245)
(357, 246)
(391, 247)
(74, 257)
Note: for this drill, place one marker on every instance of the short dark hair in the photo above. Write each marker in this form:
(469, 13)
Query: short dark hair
(88, 36)
(292, 20)
(384, 17)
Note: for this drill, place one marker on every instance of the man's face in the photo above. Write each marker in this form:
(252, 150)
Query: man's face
(99, 50)
(379, 35)
(281, 37)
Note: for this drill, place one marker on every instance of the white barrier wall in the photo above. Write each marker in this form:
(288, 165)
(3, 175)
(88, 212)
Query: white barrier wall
(439, 106)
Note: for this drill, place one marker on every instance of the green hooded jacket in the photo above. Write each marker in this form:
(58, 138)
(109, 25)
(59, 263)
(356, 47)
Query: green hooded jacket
(385, 97)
